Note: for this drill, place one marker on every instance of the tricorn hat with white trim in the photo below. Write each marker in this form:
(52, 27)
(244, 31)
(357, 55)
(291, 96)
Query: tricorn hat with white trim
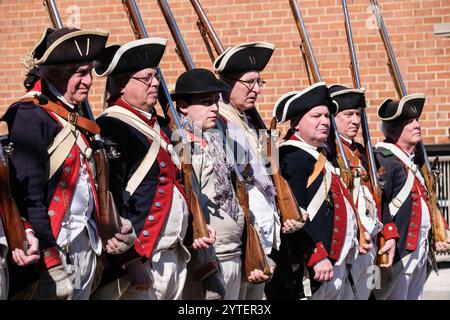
(252, 56)
(68, 45)
(295, 103)
(409, 107)
(346, 98)
(132, 56)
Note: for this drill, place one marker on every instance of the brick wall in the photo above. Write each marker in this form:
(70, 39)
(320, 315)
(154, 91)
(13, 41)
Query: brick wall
(424, 59)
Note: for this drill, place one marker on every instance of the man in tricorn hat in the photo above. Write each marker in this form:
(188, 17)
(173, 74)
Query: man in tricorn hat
(329, 238)
(347, 103)
(52, 171)
(197, 93)
(405, 198)
(240, 67)
(145, 178)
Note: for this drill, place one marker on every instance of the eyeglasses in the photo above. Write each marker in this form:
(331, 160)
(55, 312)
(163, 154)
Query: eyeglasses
(250, 84)
(147, 79)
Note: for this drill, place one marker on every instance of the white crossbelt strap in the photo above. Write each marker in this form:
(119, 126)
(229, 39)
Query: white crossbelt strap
(63, 143)
(403, 158)
(59, 149)
(153, 134)
(401, 197)
(320, 195)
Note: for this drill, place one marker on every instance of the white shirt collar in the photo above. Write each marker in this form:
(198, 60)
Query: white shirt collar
(148, 115)
(349, 141)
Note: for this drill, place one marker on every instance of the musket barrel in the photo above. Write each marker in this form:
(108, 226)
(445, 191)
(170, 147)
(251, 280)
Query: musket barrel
(189, 64)
(53, 14)
(305, 38)
(400, 87)
(393, 65)
(316, 75)
(357, 81)
(207, 25)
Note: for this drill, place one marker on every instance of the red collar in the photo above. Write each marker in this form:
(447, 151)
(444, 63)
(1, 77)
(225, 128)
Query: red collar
(40, 86)
(122, 103)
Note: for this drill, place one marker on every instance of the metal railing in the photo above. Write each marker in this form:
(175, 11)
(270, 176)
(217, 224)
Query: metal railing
(443, 187)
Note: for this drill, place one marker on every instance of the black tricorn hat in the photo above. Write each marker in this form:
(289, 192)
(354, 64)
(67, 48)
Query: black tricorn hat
(244, 57)
(132, 56)
(409, 107)
(346, 98)
(68, 45)
(198, 81)
(294, 103)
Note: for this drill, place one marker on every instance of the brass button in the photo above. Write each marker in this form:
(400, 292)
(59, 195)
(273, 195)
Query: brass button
(67, 169)
(151, 218)
(157, 204)
(160, 190)
(145, 233)
(162, 178)
(162, 164)
(336, 230)
(51, 213)
(56, 199)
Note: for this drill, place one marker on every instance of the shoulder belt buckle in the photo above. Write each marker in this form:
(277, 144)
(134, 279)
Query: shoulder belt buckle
(397, 202)
(72, 118)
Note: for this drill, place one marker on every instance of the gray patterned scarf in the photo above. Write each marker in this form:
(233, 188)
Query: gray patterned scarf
(224, 194)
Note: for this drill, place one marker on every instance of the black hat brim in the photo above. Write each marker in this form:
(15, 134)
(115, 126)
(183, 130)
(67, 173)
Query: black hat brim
(291, 105)
(73, 47)
(198, 81)
(132, 56)
(409, 107)
(245, 57)
(347, 98)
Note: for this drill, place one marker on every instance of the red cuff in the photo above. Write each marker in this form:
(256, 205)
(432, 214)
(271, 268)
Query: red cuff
(205, 270)
(390, 231)
(51, 257)
(319, 253)
(27, 225)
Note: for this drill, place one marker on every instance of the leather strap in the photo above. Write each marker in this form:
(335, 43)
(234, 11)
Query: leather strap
(71, 117)
(318, 167)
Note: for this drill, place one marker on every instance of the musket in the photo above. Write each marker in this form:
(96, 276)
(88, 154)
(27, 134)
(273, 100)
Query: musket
(341, 157)
(109, 218)
(285, 198)
(191, 184)
(241, 190)
(438, 229)
(373, 174)
(12, 222)
(306, 47)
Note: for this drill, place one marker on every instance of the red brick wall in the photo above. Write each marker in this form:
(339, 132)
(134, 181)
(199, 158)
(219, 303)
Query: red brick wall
(424, 59)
